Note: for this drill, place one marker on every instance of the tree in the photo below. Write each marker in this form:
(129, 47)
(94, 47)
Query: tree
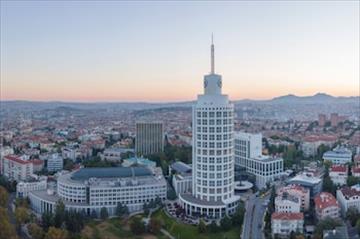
(121, 210)
(327, 224)
(74, 221)
(59, 214)
(352, 180)
(201, 226)
(137, 226)
(146, 209)
(238, 217)
(104, 213)
(213, 227)
(154, 225)
(171, 194)
(328, 185)
(93, 214)
(352, 215)
(225, 223)
(56, 233)
(47, 220)
(7, 231)
(3, 197)
(21, 215)
(358, 226)
(35, 231)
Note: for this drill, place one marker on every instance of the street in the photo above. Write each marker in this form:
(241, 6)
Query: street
(253, 221)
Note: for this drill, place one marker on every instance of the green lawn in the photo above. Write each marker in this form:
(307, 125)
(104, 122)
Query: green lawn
(185, 231)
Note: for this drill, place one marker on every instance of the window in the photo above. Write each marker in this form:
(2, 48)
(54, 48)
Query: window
(211, 114)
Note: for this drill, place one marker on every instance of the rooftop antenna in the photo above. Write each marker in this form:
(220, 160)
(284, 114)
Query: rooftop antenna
(212, 55)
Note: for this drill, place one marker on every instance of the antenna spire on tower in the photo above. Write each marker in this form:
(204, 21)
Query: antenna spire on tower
(212, 55)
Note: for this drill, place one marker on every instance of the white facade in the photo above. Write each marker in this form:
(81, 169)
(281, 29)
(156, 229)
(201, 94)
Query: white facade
(339, 174)
(248, 154)
(17, 168)
(55, 163)
(348, 197)
(326, 205)
(300, 192)
(283, 224)
(287, 203)
(182, 183)
(247, 146)
(213, 152)
(23, 188)
(339, 155)
(92, 189)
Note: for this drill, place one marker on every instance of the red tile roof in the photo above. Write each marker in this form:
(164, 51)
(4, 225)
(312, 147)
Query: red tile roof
(339, 168)
(356, 169)
(16, 159)
(349, 192)
(324, 200)
(37, 161)
(287, 216)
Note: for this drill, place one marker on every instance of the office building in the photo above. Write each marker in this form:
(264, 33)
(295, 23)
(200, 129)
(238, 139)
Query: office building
(149, 138)
(247, 146)
(90, 189)
(248, 155)
(287, 203)
(55, 163)
(213, 152)
(339, 155)
(309, 181)
(23, 188)
(322, 120)
(181, 177)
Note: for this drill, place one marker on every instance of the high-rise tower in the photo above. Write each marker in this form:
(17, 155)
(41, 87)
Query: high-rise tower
(213, 152)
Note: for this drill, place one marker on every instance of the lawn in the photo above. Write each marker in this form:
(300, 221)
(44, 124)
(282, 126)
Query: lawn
(185, 231)
(114, 228)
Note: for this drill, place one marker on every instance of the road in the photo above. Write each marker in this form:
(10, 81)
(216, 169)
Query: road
(253, 222)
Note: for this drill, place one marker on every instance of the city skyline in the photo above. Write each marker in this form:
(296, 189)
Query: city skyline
(121, 51)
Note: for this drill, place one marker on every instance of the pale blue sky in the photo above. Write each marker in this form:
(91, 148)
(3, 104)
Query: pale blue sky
(159, 51)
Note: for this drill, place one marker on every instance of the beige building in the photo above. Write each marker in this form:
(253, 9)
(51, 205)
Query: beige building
(149, 138)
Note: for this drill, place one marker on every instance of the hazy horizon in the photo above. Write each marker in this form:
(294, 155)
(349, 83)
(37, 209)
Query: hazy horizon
(159, 51)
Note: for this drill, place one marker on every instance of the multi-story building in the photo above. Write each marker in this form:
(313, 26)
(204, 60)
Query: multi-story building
(139, 161)
(55, 163)
(311, 143)
(337, 233)
(181, 177)
(348, 197)
(114, 154)
(4, 151)
(213, 152)
(309, 181)
(24, 187)
(326, 205)
(298, 191)
(90, 189)
(339, 174)
(355, 170)
(322, 120)
(339, 155)
(334, 119)
(17, 168)
(287, 203)
(265, 168)
(247, 146)
(149, 138)
(282, 224)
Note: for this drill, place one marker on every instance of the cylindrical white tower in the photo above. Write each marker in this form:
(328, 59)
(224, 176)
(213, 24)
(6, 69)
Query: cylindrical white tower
(213, 141)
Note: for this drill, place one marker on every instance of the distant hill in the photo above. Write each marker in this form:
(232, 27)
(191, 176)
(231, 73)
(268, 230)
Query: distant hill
(317, 98)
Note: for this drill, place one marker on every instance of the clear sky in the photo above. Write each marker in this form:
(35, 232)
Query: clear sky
(159, 51)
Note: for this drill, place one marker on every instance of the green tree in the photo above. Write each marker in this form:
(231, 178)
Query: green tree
(352, 215)
(35, 231)
(171, 194)
(74, 221)
(121, 210)
(326, 224)
(56, 233)
(238, 217)
(104, 213)
(154, 225)
(7, 231)
(47, 220)
(225, 223)
(59, 215)
(21, 216)
(352, 180)
(146, 209)
(328, 185)
(4, 196)
(358, 226)
(202, 226)
(137, 226)
(213, 227)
